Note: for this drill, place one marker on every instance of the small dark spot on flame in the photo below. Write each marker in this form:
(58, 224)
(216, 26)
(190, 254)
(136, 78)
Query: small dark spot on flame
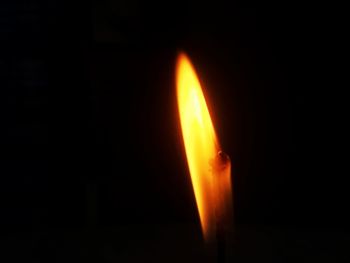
(222, 158)
(220, 161)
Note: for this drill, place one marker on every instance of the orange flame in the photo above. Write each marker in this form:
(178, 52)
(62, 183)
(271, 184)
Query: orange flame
(201, 146)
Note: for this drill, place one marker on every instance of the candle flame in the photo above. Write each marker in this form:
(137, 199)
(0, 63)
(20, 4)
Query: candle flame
(201, 146)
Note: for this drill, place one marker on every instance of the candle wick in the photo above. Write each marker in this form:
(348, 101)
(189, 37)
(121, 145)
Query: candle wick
(220, 161)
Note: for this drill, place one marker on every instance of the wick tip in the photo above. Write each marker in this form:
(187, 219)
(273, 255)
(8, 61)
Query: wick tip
(223, 157)
(222, 160)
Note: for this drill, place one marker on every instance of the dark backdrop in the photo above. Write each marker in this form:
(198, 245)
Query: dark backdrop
(89, 126)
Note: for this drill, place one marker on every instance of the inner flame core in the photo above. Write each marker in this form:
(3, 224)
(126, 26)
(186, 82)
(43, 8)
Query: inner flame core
(200, 140)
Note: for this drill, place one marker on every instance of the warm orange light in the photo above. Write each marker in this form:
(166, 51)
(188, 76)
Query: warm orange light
(210, 179)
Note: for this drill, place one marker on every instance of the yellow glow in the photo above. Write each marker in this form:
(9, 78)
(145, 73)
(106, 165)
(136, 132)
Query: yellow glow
(201, 144)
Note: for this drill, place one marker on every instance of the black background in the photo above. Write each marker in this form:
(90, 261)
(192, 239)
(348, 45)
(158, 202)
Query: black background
(89, 126)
